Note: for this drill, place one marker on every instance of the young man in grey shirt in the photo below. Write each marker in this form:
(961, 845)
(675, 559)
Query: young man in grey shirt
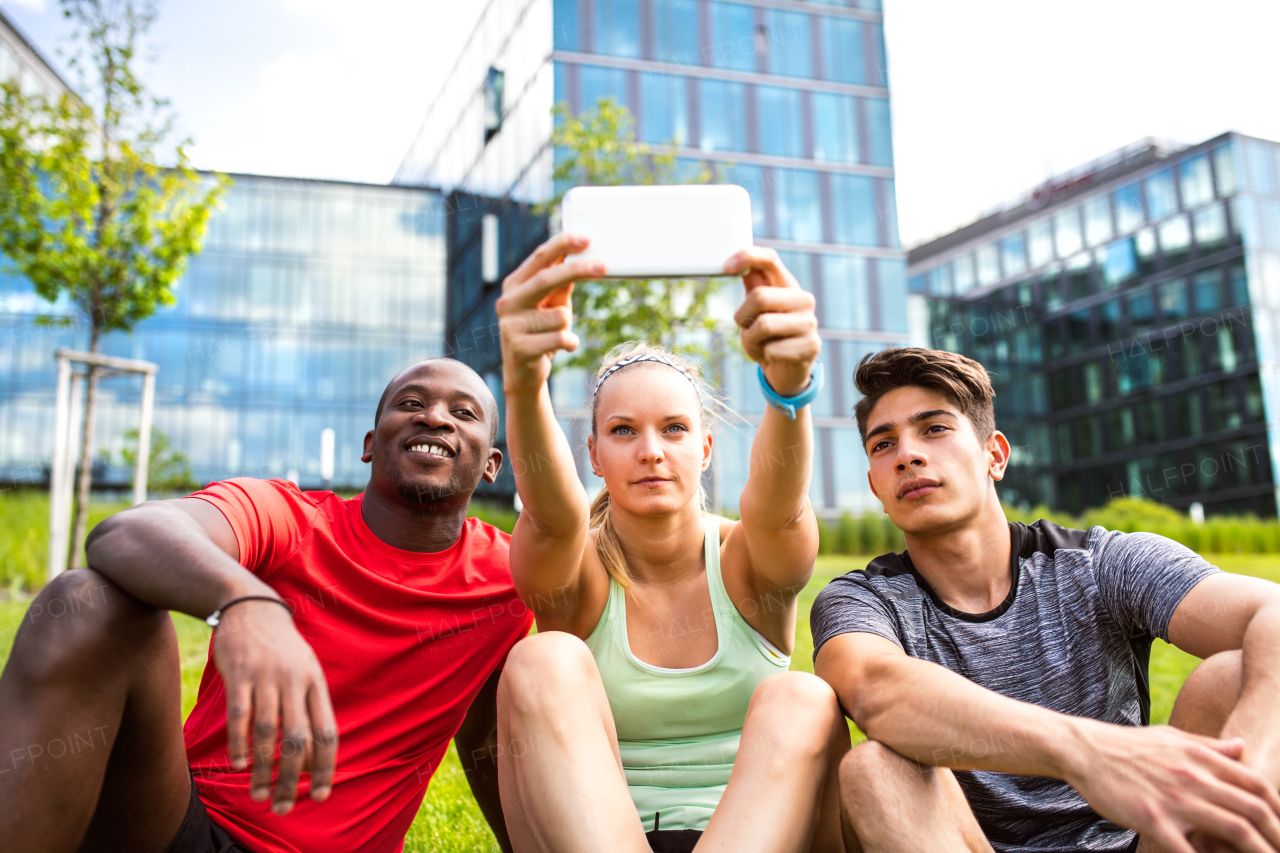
(1000, 670)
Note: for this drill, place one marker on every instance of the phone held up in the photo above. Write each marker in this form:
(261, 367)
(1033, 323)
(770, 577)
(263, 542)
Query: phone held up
(660, 231)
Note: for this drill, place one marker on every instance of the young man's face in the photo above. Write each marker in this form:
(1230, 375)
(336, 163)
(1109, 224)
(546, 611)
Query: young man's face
(927, 465)
(432, 442)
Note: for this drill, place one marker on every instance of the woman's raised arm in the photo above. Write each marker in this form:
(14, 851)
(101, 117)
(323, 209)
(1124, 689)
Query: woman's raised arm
(778, 531)
(535, 319)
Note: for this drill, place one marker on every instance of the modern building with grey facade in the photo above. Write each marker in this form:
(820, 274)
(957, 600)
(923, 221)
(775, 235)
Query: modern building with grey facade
(788, 99)
(1130, 314)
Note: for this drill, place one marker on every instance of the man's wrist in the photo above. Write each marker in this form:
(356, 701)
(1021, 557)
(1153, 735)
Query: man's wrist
(1068, 747)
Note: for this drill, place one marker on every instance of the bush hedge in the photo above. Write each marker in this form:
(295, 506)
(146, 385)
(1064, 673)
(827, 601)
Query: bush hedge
(874, 533)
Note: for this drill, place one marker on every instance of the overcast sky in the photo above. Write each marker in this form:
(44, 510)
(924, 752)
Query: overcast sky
(989, 96)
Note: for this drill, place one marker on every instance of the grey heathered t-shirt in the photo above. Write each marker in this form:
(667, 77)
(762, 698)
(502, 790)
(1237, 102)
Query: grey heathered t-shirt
(1074, 635)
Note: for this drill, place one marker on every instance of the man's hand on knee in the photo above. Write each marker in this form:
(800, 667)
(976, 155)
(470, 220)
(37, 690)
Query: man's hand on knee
(1168, 784)
(276, 688)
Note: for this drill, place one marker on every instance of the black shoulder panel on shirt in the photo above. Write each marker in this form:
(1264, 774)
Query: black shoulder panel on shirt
(1045, 537)
(887, 566)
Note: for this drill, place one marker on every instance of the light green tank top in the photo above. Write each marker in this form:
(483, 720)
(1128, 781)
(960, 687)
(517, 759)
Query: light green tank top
(678, 729)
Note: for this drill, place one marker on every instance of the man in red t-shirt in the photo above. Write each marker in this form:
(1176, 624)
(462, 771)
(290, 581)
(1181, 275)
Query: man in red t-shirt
(353, 639)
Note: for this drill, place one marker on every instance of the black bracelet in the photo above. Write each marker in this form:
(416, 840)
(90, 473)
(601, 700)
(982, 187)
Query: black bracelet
(216, 616)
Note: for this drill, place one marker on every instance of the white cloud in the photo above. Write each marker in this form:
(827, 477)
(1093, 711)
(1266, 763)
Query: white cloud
(33, 5)
(349, 110)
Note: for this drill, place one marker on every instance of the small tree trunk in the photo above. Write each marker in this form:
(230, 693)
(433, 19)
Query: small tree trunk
(84, 478)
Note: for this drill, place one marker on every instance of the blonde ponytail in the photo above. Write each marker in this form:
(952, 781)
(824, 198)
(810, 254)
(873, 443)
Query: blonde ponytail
(608, 546)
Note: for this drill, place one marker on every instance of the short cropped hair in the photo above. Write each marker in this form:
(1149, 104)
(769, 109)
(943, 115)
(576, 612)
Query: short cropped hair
(962, 381)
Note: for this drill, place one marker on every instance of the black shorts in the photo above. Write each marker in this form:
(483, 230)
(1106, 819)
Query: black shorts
(672, 840)
(199, 834)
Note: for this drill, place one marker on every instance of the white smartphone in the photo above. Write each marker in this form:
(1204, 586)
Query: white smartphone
(660, 231)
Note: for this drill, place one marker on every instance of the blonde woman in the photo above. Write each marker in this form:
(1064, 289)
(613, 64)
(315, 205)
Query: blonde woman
(654, 709)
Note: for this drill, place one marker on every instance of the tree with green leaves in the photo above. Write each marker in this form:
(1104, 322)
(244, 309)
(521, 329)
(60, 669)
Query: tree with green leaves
(87, 209)
(598, 148)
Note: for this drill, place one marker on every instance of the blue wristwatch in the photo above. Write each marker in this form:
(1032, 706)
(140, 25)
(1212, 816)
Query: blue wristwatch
(790, 405)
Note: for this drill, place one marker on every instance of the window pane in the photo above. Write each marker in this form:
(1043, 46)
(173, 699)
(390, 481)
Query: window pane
(1142, 313)
(988, 265)
(1120, 264)
(835, 128)
(854, 200)
(675, 31)
(750, 178)
(733, 37)
(565, 16)
(1207, 290)
(879, 131)
(1224, 163)
(1210, 226)
(844, 293)
(1262, 173)
(598, 83)
(780, 125)
(1161, 198)
(1013, 254)
(842, 50)
(1197, 181)
(664, 113)
(1128, 208)
(617, 30)
(799, 205)
(1040, 243)
(724, 120)
(787, 44)
(891, 275)
(1173, 300)
(940, 280)
(1097, 220)
(1175, 236)
(964, 276)
(1066, 226)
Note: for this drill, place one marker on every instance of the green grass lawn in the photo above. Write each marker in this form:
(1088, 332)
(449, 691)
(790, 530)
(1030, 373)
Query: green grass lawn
(449, 820)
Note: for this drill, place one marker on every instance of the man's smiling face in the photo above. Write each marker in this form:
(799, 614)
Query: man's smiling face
(927, 464)
(433, 438)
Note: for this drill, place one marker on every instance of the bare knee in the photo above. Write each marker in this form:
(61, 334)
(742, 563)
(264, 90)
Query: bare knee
(800, 708)
(1209, 694)
(545, 670)
(82, 623)
(865, 768)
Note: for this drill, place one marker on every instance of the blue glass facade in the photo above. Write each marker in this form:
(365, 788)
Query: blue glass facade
(792, 105)
(307, 298)
(1129, 314)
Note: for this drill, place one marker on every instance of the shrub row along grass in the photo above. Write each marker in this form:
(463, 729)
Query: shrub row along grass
(874, 533)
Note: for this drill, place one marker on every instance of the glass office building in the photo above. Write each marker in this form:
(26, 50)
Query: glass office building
(1130, 314)
(307, 298)
(787, 99)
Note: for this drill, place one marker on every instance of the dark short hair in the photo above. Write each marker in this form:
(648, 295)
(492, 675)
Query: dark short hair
(386, 392)
(962, 381)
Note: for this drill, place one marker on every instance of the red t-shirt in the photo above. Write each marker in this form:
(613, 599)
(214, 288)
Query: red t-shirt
(406, 641)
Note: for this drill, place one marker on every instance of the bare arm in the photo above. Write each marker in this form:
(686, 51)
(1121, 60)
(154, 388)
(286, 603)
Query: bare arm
(535, 319)
(1160, 781)
(477, 742)
(1228, 612)
(777, 538)
(182, 555)
(140, 548)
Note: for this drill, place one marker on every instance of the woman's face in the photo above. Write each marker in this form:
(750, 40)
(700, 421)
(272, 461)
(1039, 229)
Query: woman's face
(649, 445)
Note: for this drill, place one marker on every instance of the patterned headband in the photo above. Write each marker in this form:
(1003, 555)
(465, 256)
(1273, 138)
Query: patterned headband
(614, 368)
